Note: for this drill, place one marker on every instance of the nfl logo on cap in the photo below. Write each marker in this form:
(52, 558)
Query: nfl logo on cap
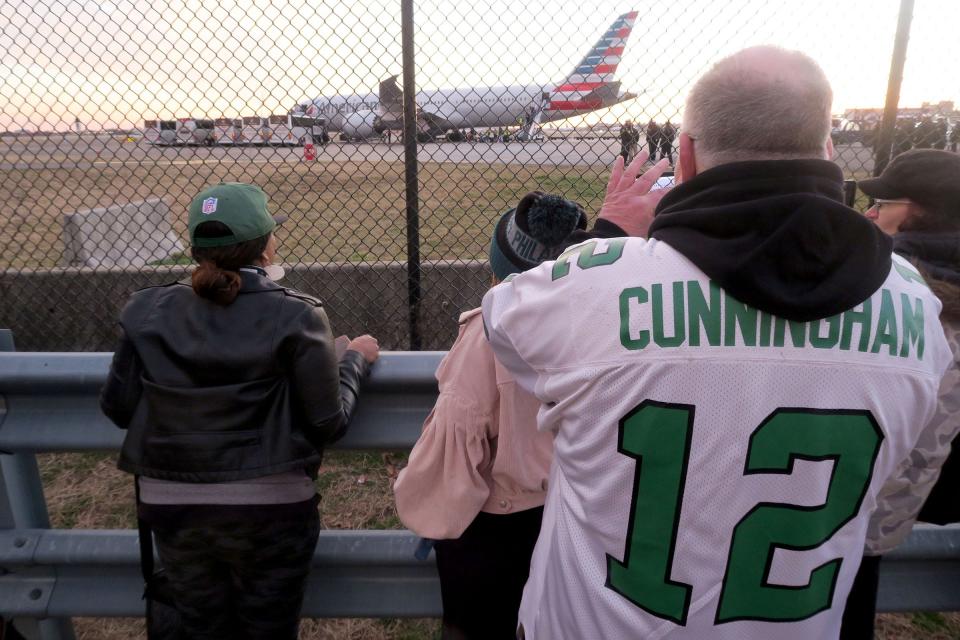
(209, 206)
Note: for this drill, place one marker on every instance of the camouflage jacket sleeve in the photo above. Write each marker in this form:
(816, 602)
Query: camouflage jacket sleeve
(905, 492)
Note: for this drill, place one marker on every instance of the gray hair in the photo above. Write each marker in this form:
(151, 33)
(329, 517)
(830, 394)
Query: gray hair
(762, 103)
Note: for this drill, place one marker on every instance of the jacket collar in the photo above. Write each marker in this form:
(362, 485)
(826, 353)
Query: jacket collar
(254, 280)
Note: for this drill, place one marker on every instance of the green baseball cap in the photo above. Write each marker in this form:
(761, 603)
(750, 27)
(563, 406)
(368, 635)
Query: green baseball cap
(240, 207)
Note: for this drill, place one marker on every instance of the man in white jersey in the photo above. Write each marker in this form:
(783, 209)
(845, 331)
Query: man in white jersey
(730, 396)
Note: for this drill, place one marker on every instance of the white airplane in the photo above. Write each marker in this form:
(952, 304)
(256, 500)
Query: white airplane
(589, 87)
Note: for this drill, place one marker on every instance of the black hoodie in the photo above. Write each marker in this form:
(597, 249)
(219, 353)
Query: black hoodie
(776, 235)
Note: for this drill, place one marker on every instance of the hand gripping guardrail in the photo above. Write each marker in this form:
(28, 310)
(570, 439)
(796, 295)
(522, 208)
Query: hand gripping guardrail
(51, 405)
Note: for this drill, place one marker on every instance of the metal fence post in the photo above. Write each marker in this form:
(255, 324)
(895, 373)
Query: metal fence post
(22, 506)
(411, 171)
(885, 136)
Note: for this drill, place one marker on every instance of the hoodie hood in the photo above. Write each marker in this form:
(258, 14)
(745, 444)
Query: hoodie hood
(776, 235)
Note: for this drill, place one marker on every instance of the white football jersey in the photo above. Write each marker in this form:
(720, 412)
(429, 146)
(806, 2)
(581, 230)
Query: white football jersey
(715, 466)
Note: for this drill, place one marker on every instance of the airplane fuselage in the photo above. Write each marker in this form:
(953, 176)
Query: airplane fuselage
(502, 106)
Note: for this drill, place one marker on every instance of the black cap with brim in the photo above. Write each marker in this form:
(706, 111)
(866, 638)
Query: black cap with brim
(879, 188)
(929, 177)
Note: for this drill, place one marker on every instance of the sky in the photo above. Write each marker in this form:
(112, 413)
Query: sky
(114, 63)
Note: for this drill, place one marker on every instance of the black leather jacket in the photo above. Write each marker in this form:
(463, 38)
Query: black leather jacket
(213, 394)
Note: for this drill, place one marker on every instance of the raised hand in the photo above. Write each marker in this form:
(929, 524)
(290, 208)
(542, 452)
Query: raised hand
(629, 203)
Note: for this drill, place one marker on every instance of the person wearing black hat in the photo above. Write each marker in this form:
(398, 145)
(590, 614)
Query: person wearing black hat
(917, 203)
(229, 389)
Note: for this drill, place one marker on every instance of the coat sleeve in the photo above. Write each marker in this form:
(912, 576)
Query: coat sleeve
(902, 496)
(121, 393)
(445, 483)
(325, 390)
(442, 488)
(601, 229)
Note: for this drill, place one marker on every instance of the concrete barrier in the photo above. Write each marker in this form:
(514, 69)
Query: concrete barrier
(134, 234)
(75, 309)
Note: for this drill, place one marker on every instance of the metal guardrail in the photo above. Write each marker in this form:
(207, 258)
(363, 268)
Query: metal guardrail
(62, 573)
(48, 402)
(52, 401)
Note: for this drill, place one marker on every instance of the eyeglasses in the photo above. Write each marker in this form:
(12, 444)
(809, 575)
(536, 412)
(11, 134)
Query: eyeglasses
(877, 203)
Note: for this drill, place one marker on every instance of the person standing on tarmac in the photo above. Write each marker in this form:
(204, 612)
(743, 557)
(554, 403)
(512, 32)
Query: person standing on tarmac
(667, 134)
(628, 141)
(653, 140)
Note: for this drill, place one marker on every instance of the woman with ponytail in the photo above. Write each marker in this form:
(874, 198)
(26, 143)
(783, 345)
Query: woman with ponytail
(229, 389)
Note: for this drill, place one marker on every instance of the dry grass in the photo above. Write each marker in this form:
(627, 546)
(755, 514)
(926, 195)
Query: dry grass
(910, 626)
(340, 211)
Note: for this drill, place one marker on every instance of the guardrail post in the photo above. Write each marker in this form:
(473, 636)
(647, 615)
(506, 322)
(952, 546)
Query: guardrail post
(22, 506)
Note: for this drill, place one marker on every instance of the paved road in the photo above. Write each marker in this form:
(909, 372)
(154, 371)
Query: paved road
(71, 151)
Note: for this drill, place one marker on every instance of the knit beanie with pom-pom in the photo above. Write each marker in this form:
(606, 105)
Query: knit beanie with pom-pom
(532, 232)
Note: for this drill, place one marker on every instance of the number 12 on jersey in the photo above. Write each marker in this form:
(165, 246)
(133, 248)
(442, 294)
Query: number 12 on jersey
(658, 436)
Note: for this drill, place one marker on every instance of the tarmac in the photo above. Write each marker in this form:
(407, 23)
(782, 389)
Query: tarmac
(73, 151)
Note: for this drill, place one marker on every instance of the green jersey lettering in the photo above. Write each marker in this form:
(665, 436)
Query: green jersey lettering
(643, 338)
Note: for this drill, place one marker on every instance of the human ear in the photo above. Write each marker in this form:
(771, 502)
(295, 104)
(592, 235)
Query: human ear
(688, 159)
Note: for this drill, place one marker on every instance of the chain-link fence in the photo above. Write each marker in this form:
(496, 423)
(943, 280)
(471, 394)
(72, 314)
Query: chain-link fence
(115, 113)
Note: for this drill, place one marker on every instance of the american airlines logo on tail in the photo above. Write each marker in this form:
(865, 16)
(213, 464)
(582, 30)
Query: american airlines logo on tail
(592, 80)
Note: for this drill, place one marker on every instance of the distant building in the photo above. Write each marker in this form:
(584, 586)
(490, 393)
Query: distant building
(944, 108)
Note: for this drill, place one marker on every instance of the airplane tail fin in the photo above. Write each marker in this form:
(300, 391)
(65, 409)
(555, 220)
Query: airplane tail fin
(596, 70)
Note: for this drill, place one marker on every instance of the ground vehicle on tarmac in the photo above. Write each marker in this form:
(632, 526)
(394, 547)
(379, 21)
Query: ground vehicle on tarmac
(273, 130)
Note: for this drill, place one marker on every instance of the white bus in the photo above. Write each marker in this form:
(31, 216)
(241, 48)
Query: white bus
(275, 130)
(223, 130)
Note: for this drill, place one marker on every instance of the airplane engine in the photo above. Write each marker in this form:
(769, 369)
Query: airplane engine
(360, 125)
